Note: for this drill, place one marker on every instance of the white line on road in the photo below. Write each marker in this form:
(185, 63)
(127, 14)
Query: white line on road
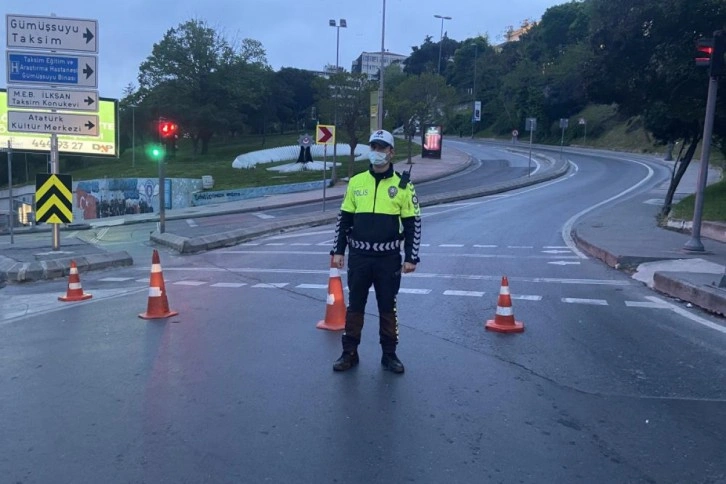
(577, 300)
(416, 275)
(463, 293)
(524, 297)
(272, 285)
(451, 245)
(568, 227)
(414, 291)
(682, 312)
(275, 243)
(233, 285)
(564, 263)
(191, 222)
(116, 279)
(646, 304)
(263, 215)
(520, 247)
(312, 286)
(485, 246)
(190, 283)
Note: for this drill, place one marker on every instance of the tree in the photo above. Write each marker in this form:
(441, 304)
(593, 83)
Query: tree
(352, 93)
(195, 77)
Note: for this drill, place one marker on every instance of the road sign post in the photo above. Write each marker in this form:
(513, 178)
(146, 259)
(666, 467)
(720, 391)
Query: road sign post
(53, 67)
(531, 126)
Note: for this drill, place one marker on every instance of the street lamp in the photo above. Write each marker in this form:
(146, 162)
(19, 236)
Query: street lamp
(340, 24)
(441, 37)
(379, 117)
(133, 135)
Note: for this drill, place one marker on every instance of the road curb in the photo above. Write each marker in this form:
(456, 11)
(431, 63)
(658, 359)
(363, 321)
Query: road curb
(706, 296)
(20, 272)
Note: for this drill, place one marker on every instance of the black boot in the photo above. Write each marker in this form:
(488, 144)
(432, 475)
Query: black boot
(346, 361)
(391, 362)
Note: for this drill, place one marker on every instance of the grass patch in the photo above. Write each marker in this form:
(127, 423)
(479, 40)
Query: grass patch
(714, 204)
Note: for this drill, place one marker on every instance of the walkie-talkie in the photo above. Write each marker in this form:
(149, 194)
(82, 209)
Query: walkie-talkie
(405, 178)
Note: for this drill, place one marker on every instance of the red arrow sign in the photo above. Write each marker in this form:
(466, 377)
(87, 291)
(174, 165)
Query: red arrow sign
(324, 134)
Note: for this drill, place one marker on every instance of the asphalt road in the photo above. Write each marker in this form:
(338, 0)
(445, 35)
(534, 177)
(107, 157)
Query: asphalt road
(608, 383)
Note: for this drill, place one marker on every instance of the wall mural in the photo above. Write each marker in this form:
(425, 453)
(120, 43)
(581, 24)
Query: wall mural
(125, 196)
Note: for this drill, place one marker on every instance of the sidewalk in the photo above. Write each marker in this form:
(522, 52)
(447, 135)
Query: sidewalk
(626, 237)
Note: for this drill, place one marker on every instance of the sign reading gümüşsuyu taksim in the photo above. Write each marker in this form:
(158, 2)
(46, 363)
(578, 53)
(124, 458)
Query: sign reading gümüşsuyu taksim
(51, 33)
(51, 70)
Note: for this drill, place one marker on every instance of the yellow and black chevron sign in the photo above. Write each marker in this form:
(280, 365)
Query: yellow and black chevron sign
(53, 198)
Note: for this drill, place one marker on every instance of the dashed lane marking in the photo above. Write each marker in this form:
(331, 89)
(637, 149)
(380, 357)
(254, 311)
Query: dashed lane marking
(233, 285)
(115, 279)
(263, 216)
(646, 304)
(189, 283)
(463, 293)
(191, 222)
(577, 300)
(312, 286)
(272, 285)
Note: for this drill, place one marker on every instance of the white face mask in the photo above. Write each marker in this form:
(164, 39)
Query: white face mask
(377, 158)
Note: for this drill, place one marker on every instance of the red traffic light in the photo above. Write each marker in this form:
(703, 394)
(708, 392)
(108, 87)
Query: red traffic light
(704, 48)
(167, 129)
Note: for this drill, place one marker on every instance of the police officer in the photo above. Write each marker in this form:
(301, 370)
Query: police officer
(380, 209)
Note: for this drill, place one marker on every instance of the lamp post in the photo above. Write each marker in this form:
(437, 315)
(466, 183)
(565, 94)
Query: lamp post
(441, 37)
(337, 26)
(133, 135)
(379, 117)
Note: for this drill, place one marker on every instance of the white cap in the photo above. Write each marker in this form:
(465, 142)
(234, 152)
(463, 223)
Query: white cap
(382, 136)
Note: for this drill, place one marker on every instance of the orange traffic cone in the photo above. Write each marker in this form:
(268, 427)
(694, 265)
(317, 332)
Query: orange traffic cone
(158, 305)
(335, 309)
(504, 321)
(75, 291)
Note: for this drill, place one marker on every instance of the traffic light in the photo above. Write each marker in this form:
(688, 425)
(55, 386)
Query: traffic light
(718, 52)
(704, 52)
(156, 152)
(167, 129)
(710, 53)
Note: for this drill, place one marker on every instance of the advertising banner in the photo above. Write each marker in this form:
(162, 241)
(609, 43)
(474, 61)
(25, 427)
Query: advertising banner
(431, 142)
(105, 144)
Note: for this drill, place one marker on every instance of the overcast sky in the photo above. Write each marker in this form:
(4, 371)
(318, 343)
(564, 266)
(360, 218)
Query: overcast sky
(294, 33)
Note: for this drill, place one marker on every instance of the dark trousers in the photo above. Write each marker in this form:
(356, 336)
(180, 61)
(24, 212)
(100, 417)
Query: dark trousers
(384, 274)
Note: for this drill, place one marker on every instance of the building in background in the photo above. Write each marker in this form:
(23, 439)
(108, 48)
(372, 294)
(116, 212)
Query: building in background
(369, 63)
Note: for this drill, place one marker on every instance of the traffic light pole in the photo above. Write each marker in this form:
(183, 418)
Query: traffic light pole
(162, 188)
(694, 243)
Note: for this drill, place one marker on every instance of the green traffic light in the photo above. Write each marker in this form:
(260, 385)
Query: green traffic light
(155, 152)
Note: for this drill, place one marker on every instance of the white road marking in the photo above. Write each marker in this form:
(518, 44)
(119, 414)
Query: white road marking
(312, 286)
(233, 285)
(189, 283)
(524, 297)
(275, 243)
(263, 216)
(556, 251)
(564, 263)
(568, 227)
(520, 247)
(418, 275)
(272, 285)
(301, 243)
(191, 222)
(646, 304)
(414, 291)
(146, 280)
(451, 245)
(463, 293)
(555, 247)
(682, 312)
(485, 246)
(116, 279)
(438, 254)
(577, 300)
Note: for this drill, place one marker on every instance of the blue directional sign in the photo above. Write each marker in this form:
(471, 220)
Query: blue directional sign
(51, 70)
